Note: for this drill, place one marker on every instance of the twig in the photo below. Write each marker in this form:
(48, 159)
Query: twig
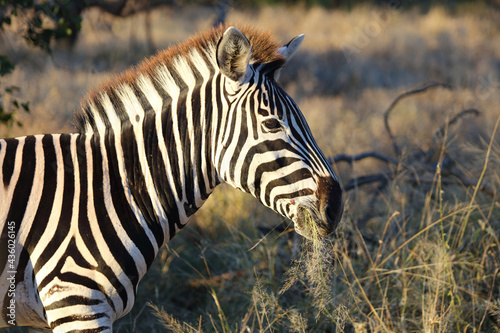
(384, 177)
(352, 158)
(387, 112)
(363, 180)
(460, 181)
(440, 132)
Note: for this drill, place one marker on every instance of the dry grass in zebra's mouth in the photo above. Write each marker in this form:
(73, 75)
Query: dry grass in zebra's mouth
(309, 224)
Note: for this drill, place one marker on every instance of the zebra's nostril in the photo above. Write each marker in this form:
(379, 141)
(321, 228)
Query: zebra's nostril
(334, 214)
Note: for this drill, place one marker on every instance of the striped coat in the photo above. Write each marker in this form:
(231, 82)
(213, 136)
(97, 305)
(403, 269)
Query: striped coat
(83, 215)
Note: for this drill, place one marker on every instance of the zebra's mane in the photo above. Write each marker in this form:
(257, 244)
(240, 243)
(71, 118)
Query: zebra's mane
(264, 50)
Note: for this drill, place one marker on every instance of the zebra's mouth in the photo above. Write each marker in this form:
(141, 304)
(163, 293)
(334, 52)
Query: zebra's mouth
(311, 225)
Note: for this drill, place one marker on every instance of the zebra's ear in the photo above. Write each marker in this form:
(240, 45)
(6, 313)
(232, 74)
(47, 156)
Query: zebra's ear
(287, 51)
(233, 54)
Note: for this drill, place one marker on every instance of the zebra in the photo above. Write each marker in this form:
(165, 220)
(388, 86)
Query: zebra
(83, 215)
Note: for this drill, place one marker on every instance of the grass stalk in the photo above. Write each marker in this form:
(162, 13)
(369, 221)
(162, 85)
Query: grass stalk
(476, 188)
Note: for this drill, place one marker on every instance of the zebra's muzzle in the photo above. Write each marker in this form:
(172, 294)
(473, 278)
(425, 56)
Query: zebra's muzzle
(310, 224)
(323, 218)
(330, 199)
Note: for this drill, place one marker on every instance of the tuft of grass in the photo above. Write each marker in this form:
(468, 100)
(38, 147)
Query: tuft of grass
(171, 323)
(414, 269)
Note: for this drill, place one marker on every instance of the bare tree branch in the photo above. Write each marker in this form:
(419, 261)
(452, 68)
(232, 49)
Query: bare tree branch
(221, 12)
(353, 158)
(442, 129)
(124, 8)
(450, 181)
(387, 112)
(384, 177)
(364, 180)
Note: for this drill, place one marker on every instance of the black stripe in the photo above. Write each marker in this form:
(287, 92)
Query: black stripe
(47, 199)
(24, 184)
(270, 166)
(73, 318)
(227, 134)
(102, 114)
(158, 172)
(91, 330)
(270, 145)
(9, 161)
(73, 278)
(243, 135)
(146, 106)
(124, 212)
(219, 109)
(294, 195)
(129, 222)
(185, 144)
(193, 145)
(116, 247)
(118, 107)
(178, 79)
(8, 169)
(137, 182)
(67, 205)
(208, 139)
(71, 301)
(165, 97)
(83, 220)
(44, 207)
(302, 132)
(254, 117)
(197, 136)
(168, 136)
(85, 117)
(291, 178)
(73, 252)
(228, 131)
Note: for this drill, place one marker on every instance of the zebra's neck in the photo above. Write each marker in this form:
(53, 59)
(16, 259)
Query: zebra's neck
(158, 147)
(159, 123)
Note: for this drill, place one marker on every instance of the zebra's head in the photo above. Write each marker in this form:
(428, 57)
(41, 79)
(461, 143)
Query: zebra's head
(264, 145)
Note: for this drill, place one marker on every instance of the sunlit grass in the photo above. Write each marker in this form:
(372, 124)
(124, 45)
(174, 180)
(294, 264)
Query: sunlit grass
(428, 266)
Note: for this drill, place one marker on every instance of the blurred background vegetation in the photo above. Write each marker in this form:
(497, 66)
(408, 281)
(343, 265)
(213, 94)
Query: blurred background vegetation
(418, 248)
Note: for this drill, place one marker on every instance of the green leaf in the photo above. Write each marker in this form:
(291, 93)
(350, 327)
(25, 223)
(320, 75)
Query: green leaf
(6, 67)
(26, 106)
(11, 89)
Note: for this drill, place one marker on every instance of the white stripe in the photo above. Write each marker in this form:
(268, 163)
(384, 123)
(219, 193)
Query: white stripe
(168, 84)
(140, 262)
(202, 68)
(55, 213)
(102, 246)
(144, 83)
(184, 69)
(136, 115)
(36, 191)
(48, 266)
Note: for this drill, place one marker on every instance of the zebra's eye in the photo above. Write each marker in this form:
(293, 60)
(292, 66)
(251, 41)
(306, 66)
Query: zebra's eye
(272, 124)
